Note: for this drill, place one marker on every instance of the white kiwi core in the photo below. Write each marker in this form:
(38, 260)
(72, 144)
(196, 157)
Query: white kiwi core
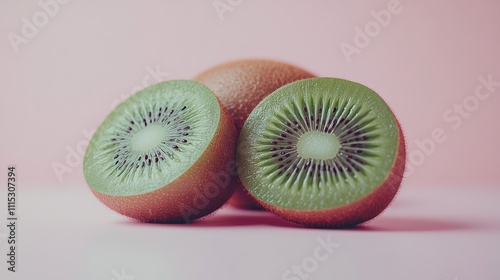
(148, 138)
(318, 145)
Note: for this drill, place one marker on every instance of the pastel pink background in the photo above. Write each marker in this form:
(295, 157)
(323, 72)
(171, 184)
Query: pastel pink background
(65, 79)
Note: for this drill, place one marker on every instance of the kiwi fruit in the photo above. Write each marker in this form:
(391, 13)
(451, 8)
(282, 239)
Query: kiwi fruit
(166, 154)
(240, 86)
(322, 152)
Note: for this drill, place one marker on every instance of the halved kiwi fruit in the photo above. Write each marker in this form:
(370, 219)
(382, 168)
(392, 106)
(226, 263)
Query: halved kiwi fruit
(240, 86)
(166, 154)
(322, 152)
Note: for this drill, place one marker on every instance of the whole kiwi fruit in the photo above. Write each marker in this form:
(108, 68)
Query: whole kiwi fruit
(166, 154)
(240, 86)
(322, 152)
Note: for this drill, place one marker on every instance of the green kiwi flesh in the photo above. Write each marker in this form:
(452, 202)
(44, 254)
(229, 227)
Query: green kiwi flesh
(321, 144)
(151, 142)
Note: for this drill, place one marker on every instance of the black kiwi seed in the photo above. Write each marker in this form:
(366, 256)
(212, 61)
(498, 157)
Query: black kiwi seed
(173, 122)
(352, 138)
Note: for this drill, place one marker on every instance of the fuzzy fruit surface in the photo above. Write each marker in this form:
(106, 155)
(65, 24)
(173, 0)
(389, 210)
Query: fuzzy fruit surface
(240, 86)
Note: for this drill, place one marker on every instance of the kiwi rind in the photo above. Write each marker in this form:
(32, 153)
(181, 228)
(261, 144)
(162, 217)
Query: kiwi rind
(257, 177)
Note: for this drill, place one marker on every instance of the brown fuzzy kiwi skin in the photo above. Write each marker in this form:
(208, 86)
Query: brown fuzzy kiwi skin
(240, 86)
(192, 195)
(357, 212)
